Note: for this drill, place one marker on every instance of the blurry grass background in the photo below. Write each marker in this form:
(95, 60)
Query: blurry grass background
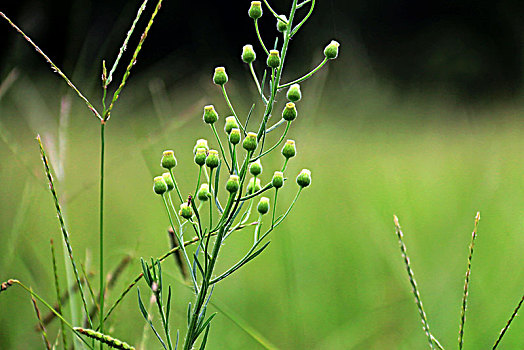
(332, 277)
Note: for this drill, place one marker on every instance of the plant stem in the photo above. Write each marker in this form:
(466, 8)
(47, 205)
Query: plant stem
(260, 38)
(307, 76)
(101, 221)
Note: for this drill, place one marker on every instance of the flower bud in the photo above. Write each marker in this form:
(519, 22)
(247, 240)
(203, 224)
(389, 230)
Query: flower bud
(203, 193)
(231, 123)
(263, 205)
(281, 26)
(278, 179)
(294, 94)
(255, 11)
(290, 112)
(186, 211)
(331, 50)
(168, 160)
(220, 76)
(248, 54)
(250, 142)
(304, 178)
(289, 150)
(273, 60)
(210, 114)
(169, 181)
(234, 137)
(200, 156)
(201, 143)
(212, 159)
(232, 184)
(253, 185)
(255, 168)
(159, 185)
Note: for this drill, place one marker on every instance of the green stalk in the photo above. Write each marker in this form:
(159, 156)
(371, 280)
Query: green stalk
(224, 92)
(101, 231)
(57, 289)
(274, 146)
(307, 76)
(260, 38)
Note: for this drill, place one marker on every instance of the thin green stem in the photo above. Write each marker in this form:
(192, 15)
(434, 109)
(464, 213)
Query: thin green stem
(285, 164)
(101, 227)
(221, 147)
(506, 327)
(274, 146)
(275, 14)
(259, 37)
(254, 75)
(198, 181)
(57, 289)
(276, 125)
(224, 92)
(295, 30)
(307, 76)
(176, 186)
(274, 208)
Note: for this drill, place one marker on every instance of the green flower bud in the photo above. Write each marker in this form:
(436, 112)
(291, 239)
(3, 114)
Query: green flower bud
(168, 160)
(250, 142)
(186, 211)
(281, 26)
(289, 150)
(304, 178)
(169, 181)
(255, 11)
(200, 156)
(231, 123)
(203, 193)
(253, 185)
(255, 168)
(290, 112)
(294, 94)
(273, 60)
(263, 205)
(159, 185)
(331, 50)
(210, 115)
(278, 179)
(220, 76)
(212, 159)
(201, 143)
(234, 137)
(233, 184)
(248, 54)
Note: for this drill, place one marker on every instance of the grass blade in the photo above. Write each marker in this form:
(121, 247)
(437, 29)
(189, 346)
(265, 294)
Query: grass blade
(506, 327)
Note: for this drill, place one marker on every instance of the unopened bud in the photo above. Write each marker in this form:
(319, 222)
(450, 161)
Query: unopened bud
(200, 156)
(203, 193)
(250, 142)
(169, 181)
(263, 205)
(278, 179)
(168, 160)
(220, 76)
(331, 50)
(290, 112)
(186, 211)
(201, 143)
(231, 123)
(253, 186)
(212, 159)
(281, 26)
(273, 60)
(159, 185)
(232, 184)
(294, 94)
(289, 150)
(210, 114)
(255, 11)
(234, 136)
(255, 168)
(304, 178)
(248, 54)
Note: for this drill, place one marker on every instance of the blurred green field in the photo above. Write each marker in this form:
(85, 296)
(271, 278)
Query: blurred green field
(332, 277)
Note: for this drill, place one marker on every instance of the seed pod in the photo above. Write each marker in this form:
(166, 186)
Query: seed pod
(289, 150)
(294, 94)
(263, 205)
(255, 11)
(234, 136)
(278, 179)
(253, 186)
(203, 193)
(220, 76)
(290, 112)
(248, 54)
(331, 50)
(159, 185)
(169, 181)
(231, 123)
(103, 338)
(232, 184)
(168, 160)
(210, 114)
(250, 142)
(200, 156)
(304, 178)
(273, 60)
(281, 26)
(201, 143)
(255, 168)
(212, 159)
(186, 211)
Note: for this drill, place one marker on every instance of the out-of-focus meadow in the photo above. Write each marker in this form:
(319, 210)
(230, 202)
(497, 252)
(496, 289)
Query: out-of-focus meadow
(333, 277)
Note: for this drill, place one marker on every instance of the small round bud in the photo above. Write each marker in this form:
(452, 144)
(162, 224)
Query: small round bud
(289, 150)
(304, 178)
(234, 136)
(231, 123)
(255, 11)
(210, 114)
(263, 205)
(168, 160)
(232, 184)
(200, 156)
(331, 50)
(290, 112)
(248, 54)
(201, 143)
(273, 60)
(281, 26)
(212, 159)
(203, 193)
(253, 185)
(250, 142)
(278, 179)
(255, 168)
(220, 76)
(294, 94)
(169, 181)
(186, 211)
(159, 185)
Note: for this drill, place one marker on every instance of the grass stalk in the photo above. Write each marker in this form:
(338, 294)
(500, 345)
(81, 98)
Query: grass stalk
(506, 327)
(101, 228)
(57, 289)
(41, 326)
